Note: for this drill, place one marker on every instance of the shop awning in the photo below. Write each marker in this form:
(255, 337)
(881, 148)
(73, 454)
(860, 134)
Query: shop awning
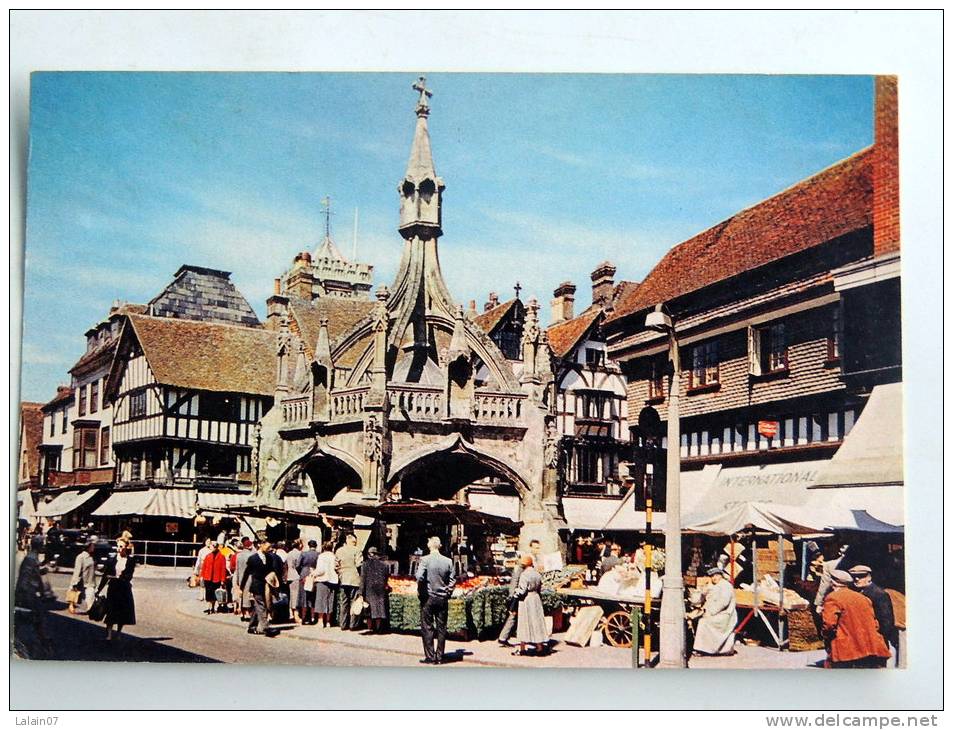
(65, 503)
(496, 504)
(121, 504)
(866, 473)
(154, 502)
(434, 512)
(25, 507)
(602, 513)
(219, 502)
(171, 503)
(588, 429)
(872, 453)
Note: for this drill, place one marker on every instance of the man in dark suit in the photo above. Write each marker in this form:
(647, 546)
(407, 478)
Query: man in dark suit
(258, 574)
(435, 581)
(883, 608)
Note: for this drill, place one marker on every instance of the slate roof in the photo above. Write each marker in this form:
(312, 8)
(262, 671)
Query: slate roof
(342, 313)
(832, 203)
(31, 419)
(203, 294)
(564, 336)
(208, 355)
(488, 320)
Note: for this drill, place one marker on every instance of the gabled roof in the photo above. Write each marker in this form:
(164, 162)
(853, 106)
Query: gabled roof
(342, 314)
(31, 421)
(490, 319)
(564, 336)
(64, 394)
(830, 204)
(103, 352)
(207, 355)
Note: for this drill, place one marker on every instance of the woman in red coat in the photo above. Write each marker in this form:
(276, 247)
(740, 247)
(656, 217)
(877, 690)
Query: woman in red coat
(214, 573)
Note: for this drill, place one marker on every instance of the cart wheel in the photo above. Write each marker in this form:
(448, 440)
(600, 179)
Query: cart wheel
(618, 629)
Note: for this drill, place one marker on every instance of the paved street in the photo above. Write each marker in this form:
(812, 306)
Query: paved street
(173, 628)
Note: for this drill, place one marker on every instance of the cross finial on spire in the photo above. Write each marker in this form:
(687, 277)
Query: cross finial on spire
(326, 204)
(423, 108)
(518, 289)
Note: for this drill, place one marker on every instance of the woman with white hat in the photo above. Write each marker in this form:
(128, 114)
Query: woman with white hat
(716, 628)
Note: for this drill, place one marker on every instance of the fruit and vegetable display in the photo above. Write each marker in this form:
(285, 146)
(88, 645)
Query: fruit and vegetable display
(402, 585)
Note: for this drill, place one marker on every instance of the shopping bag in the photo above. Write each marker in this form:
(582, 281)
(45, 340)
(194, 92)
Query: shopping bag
(97, 612)
(309, 583)
(357, 606)
(73, 596)
(220, 595)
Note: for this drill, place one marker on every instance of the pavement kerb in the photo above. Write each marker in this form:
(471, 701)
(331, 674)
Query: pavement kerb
(184, 609)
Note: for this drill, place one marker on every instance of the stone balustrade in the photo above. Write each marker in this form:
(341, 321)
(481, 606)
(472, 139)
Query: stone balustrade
(505, 409)
(348, 404)
(416, 402)
(296, 410)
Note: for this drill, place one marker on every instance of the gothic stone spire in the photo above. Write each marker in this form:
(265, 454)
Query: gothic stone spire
(421, 190)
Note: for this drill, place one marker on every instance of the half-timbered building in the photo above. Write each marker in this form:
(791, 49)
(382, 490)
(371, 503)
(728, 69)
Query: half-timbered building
(186, 398)
(766, 311)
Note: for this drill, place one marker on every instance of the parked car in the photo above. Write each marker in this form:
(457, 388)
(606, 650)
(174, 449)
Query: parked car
(61, 548)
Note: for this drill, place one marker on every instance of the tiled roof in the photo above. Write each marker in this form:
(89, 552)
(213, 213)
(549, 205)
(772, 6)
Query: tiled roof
(63, 394)
(487, 321)
(564, 336)
(832, 203)
(342, 314)
(103, 351)
(208, 355)
(31, 417)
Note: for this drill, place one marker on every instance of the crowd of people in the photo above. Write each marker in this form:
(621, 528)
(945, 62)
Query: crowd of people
(267, 583)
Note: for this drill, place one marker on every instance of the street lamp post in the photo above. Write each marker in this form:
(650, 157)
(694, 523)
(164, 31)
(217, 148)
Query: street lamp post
(672, 614)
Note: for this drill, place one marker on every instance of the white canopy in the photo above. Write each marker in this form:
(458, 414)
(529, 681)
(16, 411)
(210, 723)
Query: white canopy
(65, 503)
(25, 507)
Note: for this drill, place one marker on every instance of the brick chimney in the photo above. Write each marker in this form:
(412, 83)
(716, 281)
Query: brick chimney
(886, 167)
(563, 297)
(494, 301)
(603, 284)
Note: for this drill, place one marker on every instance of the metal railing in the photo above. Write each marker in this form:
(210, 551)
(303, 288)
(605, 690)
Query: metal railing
(167, 553)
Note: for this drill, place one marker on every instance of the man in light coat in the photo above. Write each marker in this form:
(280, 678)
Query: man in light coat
(715, 633)
(348, 560)
(84, 576)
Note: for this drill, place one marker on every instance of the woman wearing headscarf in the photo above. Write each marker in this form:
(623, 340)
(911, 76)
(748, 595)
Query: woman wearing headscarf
(117, 579)
(530, 618)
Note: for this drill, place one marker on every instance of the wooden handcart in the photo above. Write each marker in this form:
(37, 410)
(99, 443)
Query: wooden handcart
(616, 624)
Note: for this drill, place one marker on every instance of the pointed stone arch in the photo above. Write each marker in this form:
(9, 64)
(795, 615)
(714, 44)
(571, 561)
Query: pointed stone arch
(455, 445)
(343, 471)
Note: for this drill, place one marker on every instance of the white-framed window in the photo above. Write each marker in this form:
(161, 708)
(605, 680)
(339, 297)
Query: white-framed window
(704, 364)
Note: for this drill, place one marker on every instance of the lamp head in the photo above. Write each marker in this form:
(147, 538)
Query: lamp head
(658, 320)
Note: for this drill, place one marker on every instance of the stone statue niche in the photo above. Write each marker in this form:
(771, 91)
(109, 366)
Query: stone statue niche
(460, 382)
(320, 400)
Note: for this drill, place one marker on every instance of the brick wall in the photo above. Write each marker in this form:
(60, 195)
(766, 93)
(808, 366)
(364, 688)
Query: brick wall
(808, 374)
(886, 167)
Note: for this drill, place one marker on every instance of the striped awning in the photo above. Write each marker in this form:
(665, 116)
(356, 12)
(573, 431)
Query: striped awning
(65, 503)
(121, 504)
(171, 503)
(299, 504)
(219, 502)
(149, 503)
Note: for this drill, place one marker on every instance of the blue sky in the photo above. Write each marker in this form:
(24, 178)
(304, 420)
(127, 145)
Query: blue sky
(133, 174)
